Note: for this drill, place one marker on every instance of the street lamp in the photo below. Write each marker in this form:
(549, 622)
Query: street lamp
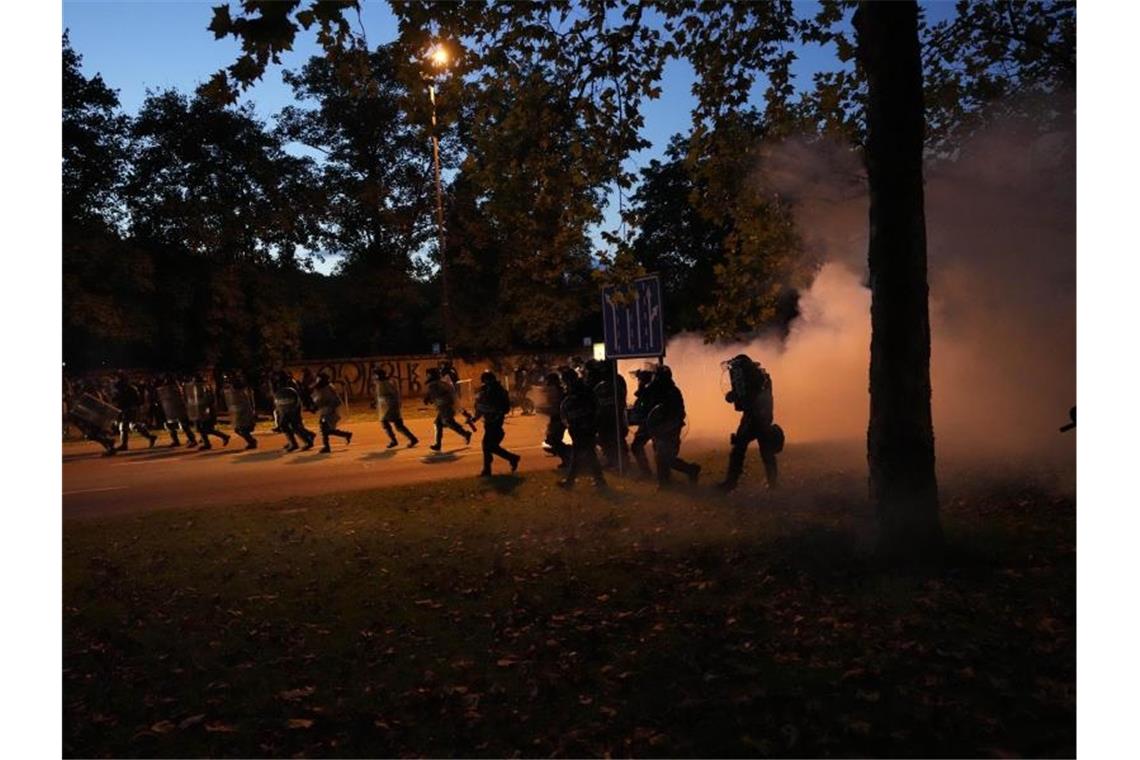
(440, 58)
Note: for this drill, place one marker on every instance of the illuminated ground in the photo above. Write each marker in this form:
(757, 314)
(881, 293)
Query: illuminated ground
(144, 479)
(496, 618)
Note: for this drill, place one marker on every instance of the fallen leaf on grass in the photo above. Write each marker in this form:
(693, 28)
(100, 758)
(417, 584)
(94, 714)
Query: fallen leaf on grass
(162, 727)
(193, 720)
(217, 727)
(299, 723)
(292, 695)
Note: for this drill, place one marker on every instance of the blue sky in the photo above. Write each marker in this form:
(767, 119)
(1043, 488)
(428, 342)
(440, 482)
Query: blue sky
(138, 45)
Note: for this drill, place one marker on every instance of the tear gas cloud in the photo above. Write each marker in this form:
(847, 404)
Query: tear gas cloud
(1001, 240)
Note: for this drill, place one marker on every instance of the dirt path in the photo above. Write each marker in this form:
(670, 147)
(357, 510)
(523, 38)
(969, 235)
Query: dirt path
(142, 480)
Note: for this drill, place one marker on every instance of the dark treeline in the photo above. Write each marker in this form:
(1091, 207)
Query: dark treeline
(191, 228)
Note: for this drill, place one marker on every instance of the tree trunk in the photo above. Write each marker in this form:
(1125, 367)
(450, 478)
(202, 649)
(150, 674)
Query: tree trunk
(900, 436)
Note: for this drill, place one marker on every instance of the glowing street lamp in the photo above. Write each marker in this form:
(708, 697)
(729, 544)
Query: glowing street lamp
(440, 58)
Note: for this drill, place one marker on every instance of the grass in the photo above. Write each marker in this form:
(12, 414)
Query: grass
(507, 617)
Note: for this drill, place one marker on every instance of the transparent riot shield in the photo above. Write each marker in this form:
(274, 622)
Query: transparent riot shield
(196, 402)
(173, 405)
(96, 412)
(242, 415)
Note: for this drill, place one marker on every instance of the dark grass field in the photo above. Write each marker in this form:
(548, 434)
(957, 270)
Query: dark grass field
(509, 618)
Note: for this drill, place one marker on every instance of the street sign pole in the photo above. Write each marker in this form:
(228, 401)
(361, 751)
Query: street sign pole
(633, 329)
(617, 418)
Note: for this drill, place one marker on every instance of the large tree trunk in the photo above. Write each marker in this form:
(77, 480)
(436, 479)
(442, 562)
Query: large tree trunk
(900, 437)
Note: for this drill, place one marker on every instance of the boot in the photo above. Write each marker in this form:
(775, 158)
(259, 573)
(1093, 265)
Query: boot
(394, 443)
(515, 463)
(694, 473)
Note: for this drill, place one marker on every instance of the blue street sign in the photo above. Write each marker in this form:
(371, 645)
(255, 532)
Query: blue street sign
(635, 327)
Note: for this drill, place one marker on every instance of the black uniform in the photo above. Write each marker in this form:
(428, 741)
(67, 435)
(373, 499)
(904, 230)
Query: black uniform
(287, 409)
(552, 407)
(388, 407)
(169, 395)
(327, 402)
(130, 402)
(661, 416)
(207, 415)
(441, 394)
(580, 415)
(492, 404)
(751, 394)
(243, 413)
(612, 425)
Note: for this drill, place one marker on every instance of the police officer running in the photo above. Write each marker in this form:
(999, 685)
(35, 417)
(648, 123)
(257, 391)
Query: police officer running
(492, 403)
(579, 413)
(202, 408)
(612, 426)
(327, 402)
(551, 406)
(287, 409)
(388, 407)
(129, 401)
(441, 394)
(751, 395)
(239, 402)
(661, 415)
(169, 395)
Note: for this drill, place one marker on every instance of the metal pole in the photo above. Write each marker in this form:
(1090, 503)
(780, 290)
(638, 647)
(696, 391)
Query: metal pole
(617, 421)
(439, 225)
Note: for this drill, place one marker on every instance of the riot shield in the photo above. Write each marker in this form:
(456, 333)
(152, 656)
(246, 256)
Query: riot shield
(286, 403)
(96, 412)
(387, 401)
(196, 403)
(173, 405)
(242, 416)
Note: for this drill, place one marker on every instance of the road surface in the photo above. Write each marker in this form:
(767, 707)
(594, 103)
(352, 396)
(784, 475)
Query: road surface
(144, 479)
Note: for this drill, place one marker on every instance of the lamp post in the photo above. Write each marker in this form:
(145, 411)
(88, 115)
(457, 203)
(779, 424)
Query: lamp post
(439, 58)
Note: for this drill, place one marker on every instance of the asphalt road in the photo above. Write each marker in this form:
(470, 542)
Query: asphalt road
(142, 479)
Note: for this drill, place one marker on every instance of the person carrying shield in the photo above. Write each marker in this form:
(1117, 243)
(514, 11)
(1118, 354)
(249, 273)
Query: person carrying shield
(169, 395)
(579, 413)
(661, 416)
(287, 410)
(130, 403)
(202, 409)
(491, 405)
(388, 407)
(95, 418)
(326, 401)
(441, 394)
(751, 395)
(551, 405)
(239, 402)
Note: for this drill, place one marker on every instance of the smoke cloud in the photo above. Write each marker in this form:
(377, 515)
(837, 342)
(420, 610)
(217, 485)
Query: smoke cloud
(1001, 237)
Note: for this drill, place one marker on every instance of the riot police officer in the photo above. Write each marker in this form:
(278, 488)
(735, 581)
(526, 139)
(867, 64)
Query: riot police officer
(661, 416)
(440, 394)
(449, 374)
(492, 403)
(388, 407)
(95, 418)
(202, 408)
(551, 406)
(287, 410)
(169, 395)
(579, 413)
(751, 395)
(239, 402)
(326, 401)
(130, 403)
(612, 425)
